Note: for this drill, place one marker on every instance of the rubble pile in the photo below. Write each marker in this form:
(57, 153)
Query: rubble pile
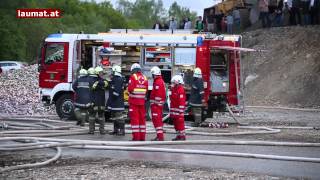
(19, 93)
(288, 73)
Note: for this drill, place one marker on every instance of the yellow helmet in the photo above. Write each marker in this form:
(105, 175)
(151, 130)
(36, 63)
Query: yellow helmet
(83, 72)
(91, 71)
(98, 70)
(197, 73)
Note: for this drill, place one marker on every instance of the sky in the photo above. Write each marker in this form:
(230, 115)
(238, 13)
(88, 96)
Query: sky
(193, 5)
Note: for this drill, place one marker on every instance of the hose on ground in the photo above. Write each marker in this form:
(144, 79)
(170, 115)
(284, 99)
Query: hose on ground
(25, 166)
(55, 141)
(285, 108)
(167, 150)
(205, 152)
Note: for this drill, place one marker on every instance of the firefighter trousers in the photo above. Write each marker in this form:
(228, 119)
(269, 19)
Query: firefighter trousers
(118, 123)
(97, 113)
(178, 123)
(82, 115)
(156, 114)
(196, 111)
(137, 114)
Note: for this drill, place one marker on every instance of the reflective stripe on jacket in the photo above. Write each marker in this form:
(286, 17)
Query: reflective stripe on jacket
(137, 88)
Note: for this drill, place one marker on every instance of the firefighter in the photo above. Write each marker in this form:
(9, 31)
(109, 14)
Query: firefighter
(196, 99)
(116, 101)
(97, 86)
(177, 106)
(157, 100)
(82, 101)
(137, 88)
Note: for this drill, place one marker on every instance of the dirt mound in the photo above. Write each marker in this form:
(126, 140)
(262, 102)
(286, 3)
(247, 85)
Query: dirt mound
(288, 74)
(19, 92)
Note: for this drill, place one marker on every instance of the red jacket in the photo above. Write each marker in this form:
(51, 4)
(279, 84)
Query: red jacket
(177, 100)
(137, 88)
(158, 93)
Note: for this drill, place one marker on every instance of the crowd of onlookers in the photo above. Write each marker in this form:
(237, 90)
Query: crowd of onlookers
(217, 23)
(289, 12)
(272, 13)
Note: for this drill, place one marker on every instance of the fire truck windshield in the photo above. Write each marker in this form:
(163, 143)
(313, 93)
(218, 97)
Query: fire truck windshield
(54, 53)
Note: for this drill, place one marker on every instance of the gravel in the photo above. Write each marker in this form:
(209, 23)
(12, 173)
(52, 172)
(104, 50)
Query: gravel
(19, 93)
(81, 168)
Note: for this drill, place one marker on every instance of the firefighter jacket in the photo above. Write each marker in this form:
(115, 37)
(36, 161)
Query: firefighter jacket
(177, 101)
(158, 93)
(116, 99)
(82, 92)
(97, 87)
(137, 88)
(197, 92)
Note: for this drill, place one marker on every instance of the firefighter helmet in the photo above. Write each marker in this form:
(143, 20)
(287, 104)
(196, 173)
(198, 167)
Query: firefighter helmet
(83, 72)
(197, 73)
(98, 70)
(177, 79)
(155, 70)
(135, 66)
(180, 79)
(91, 71)
(117, 70)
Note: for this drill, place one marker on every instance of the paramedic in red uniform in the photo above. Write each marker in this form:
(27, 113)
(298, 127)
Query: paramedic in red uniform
(177, 107)
(157, 99)
(137, 88)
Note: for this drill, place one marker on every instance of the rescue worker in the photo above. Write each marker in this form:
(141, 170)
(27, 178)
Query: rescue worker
(196, 99)
(177, 107)
(97, 86)
(137, 88)
(116, 101)
(157, 100)
(82, 100)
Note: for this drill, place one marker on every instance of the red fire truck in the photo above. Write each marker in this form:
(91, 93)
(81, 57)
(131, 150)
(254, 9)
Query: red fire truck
(175, 52)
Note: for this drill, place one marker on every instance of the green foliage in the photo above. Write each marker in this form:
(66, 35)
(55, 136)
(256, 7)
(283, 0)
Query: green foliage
(20, 39)
(181, 12)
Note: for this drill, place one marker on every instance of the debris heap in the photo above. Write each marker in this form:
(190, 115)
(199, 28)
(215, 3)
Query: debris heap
(288, 73)
(19, 93)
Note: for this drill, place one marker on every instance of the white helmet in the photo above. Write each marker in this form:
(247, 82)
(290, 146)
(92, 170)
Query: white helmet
(135, 66)
(197, 73)
(177, 79)
(155, 70)
(83, 72)
(117, 70)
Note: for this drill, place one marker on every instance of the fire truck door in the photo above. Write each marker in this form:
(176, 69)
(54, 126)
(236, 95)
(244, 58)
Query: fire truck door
(54, 64)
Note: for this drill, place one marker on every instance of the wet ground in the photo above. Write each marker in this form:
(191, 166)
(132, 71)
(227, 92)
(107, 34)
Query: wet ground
(202, 165)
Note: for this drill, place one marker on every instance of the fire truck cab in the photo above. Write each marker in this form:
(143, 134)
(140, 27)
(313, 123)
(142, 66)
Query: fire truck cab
(175, 52)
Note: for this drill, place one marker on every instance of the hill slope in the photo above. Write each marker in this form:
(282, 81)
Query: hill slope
(288, 74)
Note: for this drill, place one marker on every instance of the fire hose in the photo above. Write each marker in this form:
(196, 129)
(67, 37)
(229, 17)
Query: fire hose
(127, 146)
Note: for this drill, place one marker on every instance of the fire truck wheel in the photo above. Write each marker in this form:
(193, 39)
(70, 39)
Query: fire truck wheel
(64, 107)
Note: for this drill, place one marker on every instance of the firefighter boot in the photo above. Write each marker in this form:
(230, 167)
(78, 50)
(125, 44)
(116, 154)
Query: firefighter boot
(91, 125)
(121, 129)
(115, 128)
(179, 138)
(101, 126)
(197, 116)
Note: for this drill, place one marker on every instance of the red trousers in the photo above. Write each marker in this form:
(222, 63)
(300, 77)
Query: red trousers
(178, 123)
(137, 114)
(156, 113)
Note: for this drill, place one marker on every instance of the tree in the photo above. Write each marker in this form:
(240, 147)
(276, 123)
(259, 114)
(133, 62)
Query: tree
(181, 12)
